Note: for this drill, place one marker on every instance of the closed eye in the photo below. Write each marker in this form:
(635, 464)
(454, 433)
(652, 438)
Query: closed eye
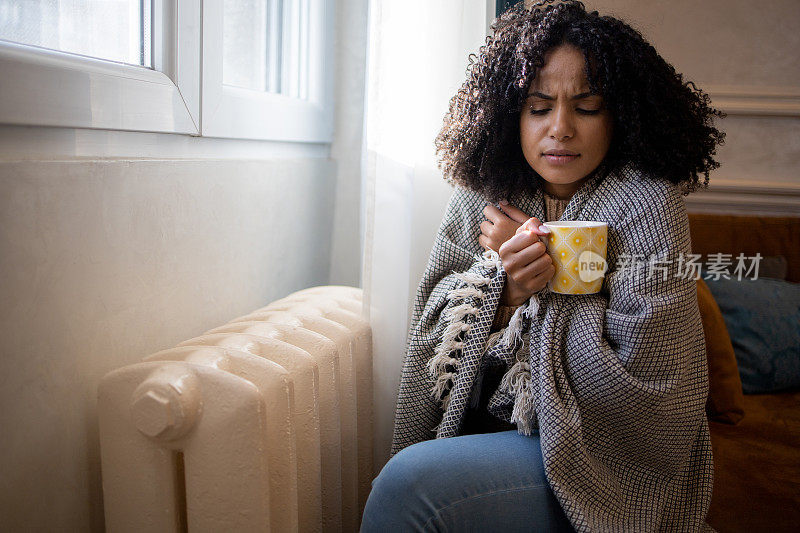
(578, 110)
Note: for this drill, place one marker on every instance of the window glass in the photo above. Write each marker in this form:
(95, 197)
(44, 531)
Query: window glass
(115, 30)
(265, 45)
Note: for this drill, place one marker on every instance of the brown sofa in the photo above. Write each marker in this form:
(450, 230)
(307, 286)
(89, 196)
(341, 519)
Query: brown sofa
(755, 437)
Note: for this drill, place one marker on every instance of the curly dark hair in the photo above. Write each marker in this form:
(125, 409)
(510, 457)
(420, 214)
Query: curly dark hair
(662, 125)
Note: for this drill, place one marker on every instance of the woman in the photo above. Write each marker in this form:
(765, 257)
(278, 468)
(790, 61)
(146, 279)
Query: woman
(563, 412)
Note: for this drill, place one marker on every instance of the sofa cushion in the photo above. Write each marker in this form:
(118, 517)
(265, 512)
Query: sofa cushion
(763, 320)
(725, 400)
(773, 266)
(757, 467)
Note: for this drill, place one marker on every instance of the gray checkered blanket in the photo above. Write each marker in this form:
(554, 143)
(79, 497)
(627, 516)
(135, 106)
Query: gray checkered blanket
(615, 383)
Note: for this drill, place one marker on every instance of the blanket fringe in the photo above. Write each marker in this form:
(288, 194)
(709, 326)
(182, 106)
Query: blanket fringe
(491, 260)
(465, 292)
(513, 332)
(518, 382)
(444, 380)
(533, 305)
(444, 364)
(449, 347)
(472, 278)
(457, 313)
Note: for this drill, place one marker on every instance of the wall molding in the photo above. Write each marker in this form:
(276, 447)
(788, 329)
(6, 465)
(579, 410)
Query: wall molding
(754, 100)
(746, 196)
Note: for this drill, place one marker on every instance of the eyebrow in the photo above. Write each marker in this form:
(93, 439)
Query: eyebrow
(548, 97)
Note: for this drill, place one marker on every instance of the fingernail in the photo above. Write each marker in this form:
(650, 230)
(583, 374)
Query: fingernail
(503, 202)
(544, 229)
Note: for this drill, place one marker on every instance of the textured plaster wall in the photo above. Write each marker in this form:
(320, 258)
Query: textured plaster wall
(739, 45)
(104, 262)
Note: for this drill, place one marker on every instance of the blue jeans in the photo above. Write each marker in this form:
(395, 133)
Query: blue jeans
(483, 482)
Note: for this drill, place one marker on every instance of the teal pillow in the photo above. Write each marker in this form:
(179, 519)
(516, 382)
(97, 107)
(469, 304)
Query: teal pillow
(763, 321)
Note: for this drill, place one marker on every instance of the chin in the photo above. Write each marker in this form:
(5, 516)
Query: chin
(559, 179)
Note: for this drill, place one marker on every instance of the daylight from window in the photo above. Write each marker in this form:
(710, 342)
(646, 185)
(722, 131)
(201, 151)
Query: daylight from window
(114, 30)
(266, 46)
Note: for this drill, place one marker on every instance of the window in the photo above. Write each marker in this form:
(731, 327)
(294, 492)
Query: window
(271, 77)
(503, 5)
(115, 30)
(251, 69)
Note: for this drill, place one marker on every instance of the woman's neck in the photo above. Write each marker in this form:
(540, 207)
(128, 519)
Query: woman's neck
(559, 192)
(563, 191)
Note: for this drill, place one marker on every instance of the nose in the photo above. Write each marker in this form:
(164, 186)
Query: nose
(561, 127)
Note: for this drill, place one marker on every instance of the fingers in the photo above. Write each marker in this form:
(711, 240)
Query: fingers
(493, 214)
(528, 256)
(533, 277)
(515, 214)
(534, 225)
(543, 266)
(508, 211)
(521, 241)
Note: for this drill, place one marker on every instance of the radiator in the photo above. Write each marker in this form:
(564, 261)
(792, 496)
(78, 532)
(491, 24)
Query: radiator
(262, 424)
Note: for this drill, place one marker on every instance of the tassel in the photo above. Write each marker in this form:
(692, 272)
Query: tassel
(458, 325)
(448, 346)
(512, 380)
(518, 382)
(532, 307)
(464, 293)
(440, 389)
(472, 278)
(534, 302)
(513, 332)
(438, 364)
(493, 339)
(524, 413)
(491, 260)
(460, 311)
(455, 328)
(446, 401)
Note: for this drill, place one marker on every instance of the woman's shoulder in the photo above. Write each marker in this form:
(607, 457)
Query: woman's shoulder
(465, 196)
(461, 221)
(466, 204)
(637, 192)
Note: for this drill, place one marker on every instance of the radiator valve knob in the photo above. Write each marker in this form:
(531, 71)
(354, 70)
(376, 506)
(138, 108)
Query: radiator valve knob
(166, 405)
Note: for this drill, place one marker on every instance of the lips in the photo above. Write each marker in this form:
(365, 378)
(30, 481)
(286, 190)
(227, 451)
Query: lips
(560, 157)
(560, 152)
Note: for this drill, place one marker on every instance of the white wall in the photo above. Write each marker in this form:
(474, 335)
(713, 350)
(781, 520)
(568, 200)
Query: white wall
(103, 262)
(741, 53)
(114, 245)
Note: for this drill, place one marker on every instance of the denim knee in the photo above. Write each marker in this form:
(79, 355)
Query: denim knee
(401, 477)
(397, 501)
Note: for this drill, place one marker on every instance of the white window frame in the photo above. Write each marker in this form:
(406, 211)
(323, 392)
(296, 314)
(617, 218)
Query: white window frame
(42, 87)
(182, 94)
(248, 114)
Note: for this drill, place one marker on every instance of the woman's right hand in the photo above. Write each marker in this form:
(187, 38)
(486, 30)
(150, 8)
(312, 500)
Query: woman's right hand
(526, 262)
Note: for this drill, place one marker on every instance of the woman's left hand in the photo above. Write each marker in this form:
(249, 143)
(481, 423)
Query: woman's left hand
(500, 225)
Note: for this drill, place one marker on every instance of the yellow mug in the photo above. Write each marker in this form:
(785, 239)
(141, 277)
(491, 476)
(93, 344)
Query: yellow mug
(578, 249)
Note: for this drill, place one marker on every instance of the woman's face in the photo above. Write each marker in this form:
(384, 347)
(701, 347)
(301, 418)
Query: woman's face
(565, 131)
